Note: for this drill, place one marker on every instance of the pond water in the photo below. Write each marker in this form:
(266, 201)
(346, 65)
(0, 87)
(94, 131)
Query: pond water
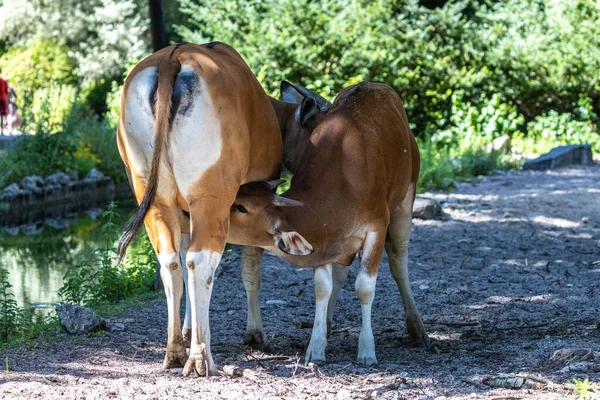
(37, 256)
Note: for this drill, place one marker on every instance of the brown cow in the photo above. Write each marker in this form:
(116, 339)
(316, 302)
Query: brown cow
(353, 190)
(195, 124)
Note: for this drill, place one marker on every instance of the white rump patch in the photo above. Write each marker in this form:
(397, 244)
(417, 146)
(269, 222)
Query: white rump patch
(139, 121)
(195, 139)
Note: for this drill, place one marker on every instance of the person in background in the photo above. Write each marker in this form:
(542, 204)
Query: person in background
(13, 120)
(3, 103)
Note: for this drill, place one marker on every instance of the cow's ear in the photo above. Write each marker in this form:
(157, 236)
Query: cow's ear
(290, 94)
(307, 111)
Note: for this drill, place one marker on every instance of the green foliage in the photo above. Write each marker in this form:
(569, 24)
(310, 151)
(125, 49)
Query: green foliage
(467, 72)
(9, 310)
(18, 323)
(101, 280)
(553, 129)
(442, 167)
(584, 389)
(41, 64)
(101, 35)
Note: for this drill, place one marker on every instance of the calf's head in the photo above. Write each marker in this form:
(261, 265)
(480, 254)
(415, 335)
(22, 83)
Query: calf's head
(258, 218)
(310, 111)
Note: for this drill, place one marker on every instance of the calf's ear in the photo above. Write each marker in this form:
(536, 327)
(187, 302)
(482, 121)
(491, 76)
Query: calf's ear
(307, 111)
(289, 93)
(293, 243)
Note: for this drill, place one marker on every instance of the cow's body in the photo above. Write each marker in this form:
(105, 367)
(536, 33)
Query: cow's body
(356, 175)
(195, 124)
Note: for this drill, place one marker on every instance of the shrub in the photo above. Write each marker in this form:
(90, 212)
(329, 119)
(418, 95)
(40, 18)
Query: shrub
(101, 280)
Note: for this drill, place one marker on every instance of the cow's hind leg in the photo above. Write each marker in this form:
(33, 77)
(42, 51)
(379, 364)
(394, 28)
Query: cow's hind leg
(397, 241)
(251, 276)
(209, 227)
(164, 232)
(187, 321)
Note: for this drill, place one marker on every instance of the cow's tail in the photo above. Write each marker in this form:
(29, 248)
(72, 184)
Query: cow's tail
(167, 73)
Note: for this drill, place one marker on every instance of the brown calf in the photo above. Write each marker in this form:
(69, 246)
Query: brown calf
(353, 189)
(195, 124)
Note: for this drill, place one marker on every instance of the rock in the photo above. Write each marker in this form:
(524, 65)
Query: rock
(116, 327)
(33, 183)
(425, 208)
(11, 190)
(58, 179)
(93, 176)
(574, 360)
(79, 320)
(276, 302)
(561, 157)
(501, 143)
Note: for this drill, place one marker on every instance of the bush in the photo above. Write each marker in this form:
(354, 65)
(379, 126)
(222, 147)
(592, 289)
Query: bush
(101, 280)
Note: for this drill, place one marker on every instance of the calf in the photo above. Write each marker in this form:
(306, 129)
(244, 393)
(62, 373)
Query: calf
(356, 166)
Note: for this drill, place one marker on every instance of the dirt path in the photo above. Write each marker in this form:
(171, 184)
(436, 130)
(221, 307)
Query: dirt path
(512, 276)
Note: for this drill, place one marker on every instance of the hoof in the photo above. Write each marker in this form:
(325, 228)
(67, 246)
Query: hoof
(366, 359)
(199, 364)
(257, 341)
(175, 359)
(416, 331)
(315, 355)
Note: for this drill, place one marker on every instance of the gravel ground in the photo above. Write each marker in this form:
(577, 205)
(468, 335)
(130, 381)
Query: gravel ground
(507, 283)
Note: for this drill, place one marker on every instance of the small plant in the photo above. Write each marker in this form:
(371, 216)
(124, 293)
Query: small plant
(101, 280)
(584, 389)
(9, 310)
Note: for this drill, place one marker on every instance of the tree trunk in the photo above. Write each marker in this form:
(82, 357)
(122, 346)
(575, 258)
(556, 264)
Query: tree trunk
(157, 25)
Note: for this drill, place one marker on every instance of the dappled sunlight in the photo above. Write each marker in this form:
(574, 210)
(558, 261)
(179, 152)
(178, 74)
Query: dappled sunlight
(557, 222)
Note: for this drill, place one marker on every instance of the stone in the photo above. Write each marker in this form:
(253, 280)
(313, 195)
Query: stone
(501, 143)
(93, 176)
(57, 179)
(426, 208)
(116, 327)
(32, 183)
(11, 190)
(79, 320)
(561, 157)
(276, 302)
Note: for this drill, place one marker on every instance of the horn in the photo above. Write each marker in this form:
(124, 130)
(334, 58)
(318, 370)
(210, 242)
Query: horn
(275, 183)
(285, 202)
(322, 103)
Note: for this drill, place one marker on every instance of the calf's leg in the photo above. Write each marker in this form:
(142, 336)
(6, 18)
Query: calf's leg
(365, 291)
(340, 274)
(396, 246)
(251, 276)
(318, 340)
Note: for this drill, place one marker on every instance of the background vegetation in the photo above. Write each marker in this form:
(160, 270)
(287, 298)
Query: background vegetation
(468, 72)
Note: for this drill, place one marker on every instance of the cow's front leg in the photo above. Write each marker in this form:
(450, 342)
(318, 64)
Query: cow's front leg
(318, 340)
(251, 276)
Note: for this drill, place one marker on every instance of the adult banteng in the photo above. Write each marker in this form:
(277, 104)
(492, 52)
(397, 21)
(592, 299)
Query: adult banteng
(195, 124)
(353, 190)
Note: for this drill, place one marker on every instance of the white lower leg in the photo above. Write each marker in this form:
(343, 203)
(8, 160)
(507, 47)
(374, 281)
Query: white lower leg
(202, 266)
(187, 321)
(340, 274)
(170, 272)
(365, 291)
(251, 276)
(318, 339)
